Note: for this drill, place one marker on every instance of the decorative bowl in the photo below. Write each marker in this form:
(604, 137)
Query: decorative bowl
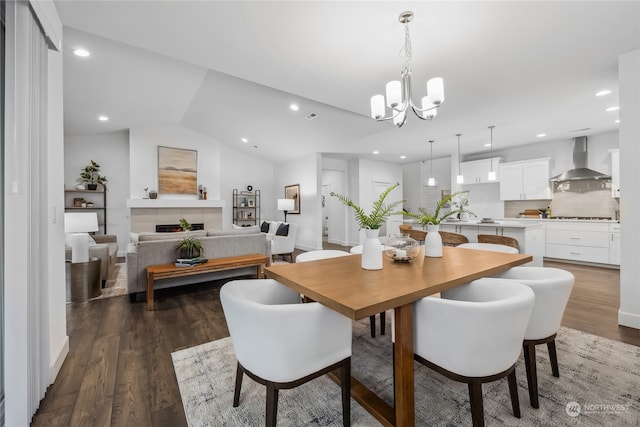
(401, 248)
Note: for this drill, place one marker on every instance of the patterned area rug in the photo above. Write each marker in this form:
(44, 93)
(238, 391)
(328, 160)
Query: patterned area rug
(599, 385)
(116, 284)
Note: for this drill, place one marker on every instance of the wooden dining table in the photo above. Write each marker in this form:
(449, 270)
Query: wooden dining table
(342, 285)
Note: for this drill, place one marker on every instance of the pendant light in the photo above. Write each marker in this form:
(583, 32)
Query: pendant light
(459, 178)
(492, 173)
(432, 180)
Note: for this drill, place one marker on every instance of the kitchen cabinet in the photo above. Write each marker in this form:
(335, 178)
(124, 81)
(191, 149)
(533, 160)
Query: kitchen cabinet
(526, 180)
(477, 171)
(614, 244)
(615, 172)
(578, 241)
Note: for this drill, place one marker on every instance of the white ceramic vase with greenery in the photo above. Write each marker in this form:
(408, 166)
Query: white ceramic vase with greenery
(371, 223)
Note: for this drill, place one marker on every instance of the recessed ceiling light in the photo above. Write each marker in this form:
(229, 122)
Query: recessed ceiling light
(487, 144)
(403, 157)
(541, 135)
(376, 152)
(245, 140)
(617, 121)
(81, 52)
(612, 109)
(103, 118)
(603, 92)
(294, 107)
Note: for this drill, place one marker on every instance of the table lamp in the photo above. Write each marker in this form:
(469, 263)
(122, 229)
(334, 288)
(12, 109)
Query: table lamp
(80, 223)
(286, 205)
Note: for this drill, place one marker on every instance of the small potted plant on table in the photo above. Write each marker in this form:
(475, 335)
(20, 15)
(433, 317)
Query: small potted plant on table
(189, 248)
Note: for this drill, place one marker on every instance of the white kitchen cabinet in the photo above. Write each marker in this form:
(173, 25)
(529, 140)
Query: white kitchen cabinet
(526, 180)
(614, 244)
(615, 172)
(583, 241)
(477, 171)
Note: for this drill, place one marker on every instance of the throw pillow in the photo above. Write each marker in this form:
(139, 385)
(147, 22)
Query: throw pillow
(264, 227)
(283, 230)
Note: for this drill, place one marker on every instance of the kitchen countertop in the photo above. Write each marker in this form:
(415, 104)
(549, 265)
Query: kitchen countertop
(604, 221)
(504, 223)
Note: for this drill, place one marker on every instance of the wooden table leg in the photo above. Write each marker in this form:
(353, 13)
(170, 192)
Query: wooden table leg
(403, 369)
(150, 291)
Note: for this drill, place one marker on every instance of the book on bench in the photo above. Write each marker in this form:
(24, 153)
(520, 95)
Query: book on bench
(189, 262)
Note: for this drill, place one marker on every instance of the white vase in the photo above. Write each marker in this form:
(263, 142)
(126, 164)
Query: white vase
(371, 251)
(433, 241)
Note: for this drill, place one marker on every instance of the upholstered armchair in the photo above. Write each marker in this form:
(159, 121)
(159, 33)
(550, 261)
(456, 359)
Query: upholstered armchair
(282, 236)
(282, 343)
(473, 335)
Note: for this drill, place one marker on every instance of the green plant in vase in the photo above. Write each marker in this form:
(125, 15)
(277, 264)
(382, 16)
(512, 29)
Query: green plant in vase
(90, 174)
(380, 212)
(189, 247)
(425, 218)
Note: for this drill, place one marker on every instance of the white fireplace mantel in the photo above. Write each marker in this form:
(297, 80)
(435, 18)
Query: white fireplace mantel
(174, 203)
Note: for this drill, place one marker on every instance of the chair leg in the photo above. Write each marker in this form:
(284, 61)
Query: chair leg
(236, 391)
(477, 408)
(553, 357)
(532, 375)
(383, 320)
(372, 323)
(345, 382)
(513, 391)
(272, 405)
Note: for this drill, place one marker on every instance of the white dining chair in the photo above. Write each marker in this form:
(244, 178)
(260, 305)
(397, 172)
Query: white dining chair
(473, 334)
(489, 247)
(281, 343)
(552, 287)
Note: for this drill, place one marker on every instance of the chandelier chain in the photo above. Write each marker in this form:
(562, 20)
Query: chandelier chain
(406, 51)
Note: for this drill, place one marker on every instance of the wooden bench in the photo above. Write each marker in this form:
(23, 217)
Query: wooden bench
(167, 271)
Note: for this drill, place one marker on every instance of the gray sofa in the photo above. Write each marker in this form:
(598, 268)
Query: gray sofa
(160, 248)
(105, 248)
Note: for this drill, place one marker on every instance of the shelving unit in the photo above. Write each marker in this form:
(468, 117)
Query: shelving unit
(246, 208)
(96, 197)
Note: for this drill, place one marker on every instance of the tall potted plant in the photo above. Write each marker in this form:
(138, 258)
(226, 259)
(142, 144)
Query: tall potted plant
(91, 175)
(371, 223)
(431, 221)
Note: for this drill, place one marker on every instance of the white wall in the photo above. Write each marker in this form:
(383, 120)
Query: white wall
(143, 155)
(629, 70)
(58, 339)
(111, 151)
(237, 170)
(307, 172)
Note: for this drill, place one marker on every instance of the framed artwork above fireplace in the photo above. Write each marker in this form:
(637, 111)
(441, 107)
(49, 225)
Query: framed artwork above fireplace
(177, 171)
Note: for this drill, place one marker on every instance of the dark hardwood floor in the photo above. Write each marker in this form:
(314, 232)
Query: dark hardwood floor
(119, 370)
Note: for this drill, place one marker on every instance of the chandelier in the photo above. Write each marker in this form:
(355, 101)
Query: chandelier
(399, 92)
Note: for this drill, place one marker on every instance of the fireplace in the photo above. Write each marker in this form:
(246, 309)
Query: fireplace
(172, 228)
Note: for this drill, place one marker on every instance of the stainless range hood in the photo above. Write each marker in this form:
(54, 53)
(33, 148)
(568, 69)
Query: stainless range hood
(580, 170)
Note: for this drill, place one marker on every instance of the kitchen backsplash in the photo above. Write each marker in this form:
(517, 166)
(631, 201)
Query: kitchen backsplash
(573, 198)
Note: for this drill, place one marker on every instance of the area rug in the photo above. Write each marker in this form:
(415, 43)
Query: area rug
(116, 284)
(599, 385)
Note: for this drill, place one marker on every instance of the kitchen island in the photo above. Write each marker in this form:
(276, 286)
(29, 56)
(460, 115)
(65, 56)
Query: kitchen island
(529, 234)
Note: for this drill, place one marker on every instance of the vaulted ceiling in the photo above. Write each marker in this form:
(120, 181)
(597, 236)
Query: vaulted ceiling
(230, 70)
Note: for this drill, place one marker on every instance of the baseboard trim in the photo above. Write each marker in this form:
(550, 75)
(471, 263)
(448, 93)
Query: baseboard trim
(631, 320)
(55, 367)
